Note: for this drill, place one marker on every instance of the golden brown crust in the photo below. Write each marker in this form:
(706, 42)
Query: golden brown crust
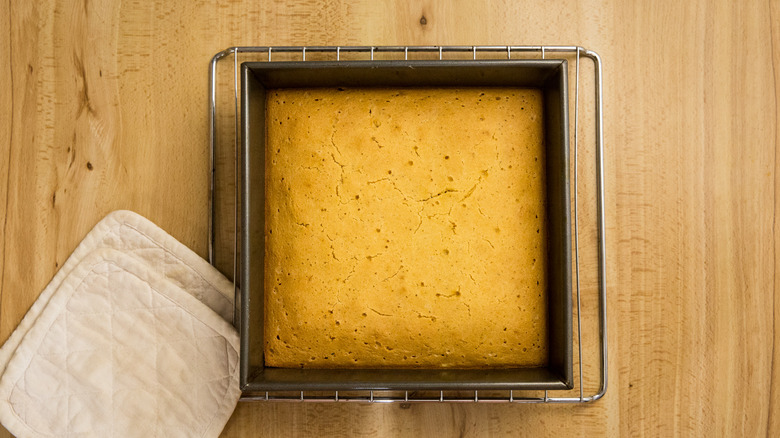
(405, 228)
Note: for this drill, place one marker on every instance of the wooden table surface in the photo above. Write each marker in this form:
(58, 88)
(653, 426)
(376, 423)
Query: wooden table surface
(103, 106)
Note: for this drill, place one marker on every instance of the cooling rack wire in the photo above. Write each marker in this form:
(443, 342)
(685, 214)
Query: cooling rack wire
(234, 56)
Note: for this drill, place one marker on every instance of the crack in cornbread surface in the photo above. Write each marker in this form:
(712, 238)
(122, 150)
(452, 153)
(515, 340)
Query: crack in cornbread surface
(405, 228)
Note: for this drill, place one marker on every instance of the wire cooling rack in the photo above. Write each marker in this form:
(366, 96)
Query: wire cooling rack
(233, 56)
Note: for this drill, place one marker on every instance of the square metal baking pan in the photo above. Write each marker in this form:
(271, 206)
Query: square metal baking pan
(548, 75)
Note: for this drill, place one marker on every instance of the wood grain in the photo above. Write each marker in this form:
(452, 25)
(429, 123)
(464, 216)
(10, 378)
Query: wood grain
(774, 401)
(103, 106)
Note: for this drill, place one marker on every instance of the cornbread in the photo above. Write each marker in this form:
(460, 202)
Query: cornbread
(405, 228)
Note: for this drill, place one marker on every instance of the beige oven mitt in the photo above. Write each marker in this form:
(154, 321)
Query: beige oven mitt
(130, 338)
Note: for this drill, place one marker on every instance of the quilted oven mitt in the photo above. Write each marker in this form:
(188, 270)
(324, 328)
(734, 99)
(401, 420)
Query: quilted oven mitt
(130, 338)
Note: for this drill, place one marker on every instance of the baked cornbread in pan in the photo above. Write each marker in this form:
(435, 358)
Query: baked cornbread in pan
(405, 228)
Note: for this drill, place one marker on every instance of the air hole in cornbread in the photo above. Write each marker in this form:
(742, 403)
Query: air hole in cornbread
(463, 282)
